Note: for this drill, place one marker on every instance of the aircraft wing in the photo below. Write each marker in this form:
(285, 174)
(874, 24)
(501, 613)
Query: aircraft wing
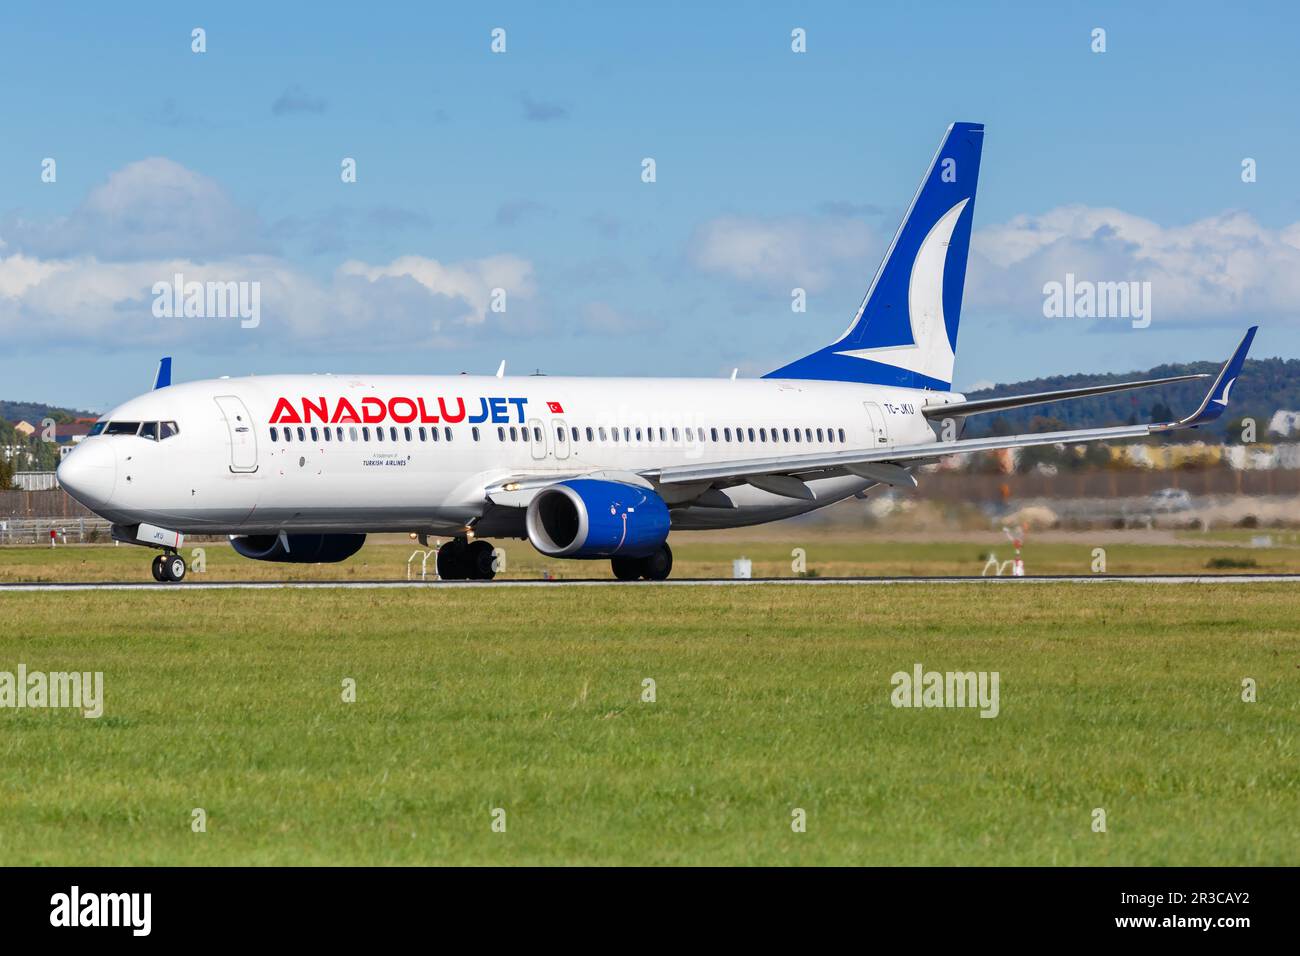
(782, 474)
(1004, 402)
(849, 460)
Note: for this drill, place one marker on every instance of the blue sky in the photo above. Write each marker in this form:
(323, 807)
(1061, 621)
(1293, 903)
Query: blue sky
(522, 170)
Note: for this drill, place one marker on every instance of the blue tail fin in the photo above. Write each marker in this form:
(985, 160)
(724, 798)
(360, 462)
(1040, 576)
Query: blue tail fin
(905, 332)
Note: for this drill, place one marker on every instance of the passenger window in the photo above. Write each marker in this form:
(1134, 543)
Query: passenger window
(275, 434)
(338, 433)
(762, 434)
(674, 434)
(819, 434)
(501, 433)
(474, 432)
(713, 434)
(407, 432)
(433, 433)
(727, 433)
(797, 436)
(574, 433)
(365, 433)
(514, 435)
(807, 434)
(315, 435)
(379, 433)
(423, 433)
(589, 438)
(559, 434)
(602, 434)
(353, 433)
(446, 432)
(327, 434)
(841, 436)
(638, 435)
(627, 433)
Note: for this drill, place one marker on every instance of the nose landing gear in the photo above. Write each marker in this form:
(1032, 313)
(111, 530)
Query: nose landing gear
(168, 568)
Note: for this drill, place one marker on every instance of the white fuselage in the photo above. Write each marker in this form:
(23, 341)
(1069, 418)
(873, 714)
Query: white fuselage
(339, 453)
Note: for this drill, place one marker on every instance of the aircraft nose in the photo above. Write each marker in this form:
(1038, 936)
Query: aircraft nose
(89, 473)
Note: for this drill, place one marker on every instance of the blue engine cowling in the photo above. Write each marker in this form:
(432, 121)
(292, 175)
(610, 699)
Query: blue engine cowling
(303, 548)
(591, 518)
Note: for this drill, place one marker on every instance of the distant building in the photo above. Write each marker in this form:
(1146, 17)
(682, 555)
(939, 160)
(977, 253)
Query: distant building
(35, 480)
(71, 434)
(26, 429)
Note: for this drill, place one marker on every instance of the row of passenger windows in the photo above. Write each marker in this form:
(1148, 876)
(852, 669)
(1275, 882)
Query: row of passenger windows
(626, 435)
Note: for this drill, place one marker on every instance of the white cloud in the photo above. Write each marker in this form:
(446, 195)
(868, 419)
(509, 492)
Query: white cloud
(411, 300)
(89, 277)
(781, 252)
(1223, 267)
(471, 281)
(1226, 266)
(150, 208)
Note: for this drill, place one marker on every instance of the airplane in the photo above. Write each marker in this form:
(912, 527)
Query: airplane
(300, 468)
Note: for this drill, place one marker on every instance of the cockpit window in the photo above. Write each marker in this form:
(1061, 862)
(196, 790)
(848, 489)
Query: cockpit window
(149, 430)
(122, 428)
(96, 428)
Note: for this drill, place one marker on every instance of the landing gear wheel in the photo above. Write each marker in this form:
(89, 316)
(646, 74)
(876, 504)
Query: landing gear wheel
(158, 573)
(626, 569)
(173, 567)
(452, 562)
(480, 561)
(657, 566)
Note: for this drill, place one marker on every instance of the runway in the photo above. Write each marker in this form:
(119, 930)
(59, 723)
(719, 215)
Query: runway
(192, 585)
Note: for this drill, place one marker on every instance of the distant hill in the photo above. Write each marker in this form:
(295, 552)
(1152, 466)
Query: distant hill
(1265, 386)
(35, 412)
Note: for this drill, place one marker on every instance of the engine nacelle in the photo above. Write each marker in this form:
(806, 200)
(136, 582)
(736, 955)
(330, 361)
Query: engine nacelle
(591, 518)
(303, 548)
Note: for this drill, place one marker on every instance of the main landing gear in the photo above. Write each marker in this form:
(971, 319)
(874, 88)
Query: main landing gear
(655, 566)
(168, 568)
(461, 559)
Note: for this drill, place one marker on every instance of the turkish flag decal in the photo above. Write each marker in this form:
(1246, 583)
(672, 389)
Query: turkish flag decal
(555, 407)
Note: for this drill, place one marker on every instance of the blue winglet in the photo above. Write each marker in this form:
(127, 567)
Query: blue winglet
(164, 376)
(1216, 401)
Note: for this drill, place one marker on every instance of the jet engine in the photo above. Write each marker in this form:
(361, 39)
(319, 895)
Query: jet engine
(593, 518)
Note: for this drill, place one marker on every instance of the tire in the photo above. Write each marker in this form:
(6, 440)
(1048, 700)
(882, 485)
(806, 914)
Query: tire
(626, 569)
(657, 566)
(174, 568)
(480, 561)
(157, 568)
(452, 565)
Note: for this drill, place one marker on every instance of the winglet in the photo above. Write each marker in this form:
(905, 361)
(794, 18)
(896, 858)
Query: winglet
(164, 376)
(1216, 400)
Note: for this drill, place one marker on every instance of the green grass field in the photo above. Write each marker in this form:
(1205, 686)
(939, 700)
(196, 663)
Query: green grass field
(1116, 696)
(827, 554)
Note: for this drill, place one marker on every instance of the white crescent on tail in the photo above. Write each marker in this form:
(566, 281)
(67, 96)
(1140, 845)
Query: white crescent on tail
(931, 353)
